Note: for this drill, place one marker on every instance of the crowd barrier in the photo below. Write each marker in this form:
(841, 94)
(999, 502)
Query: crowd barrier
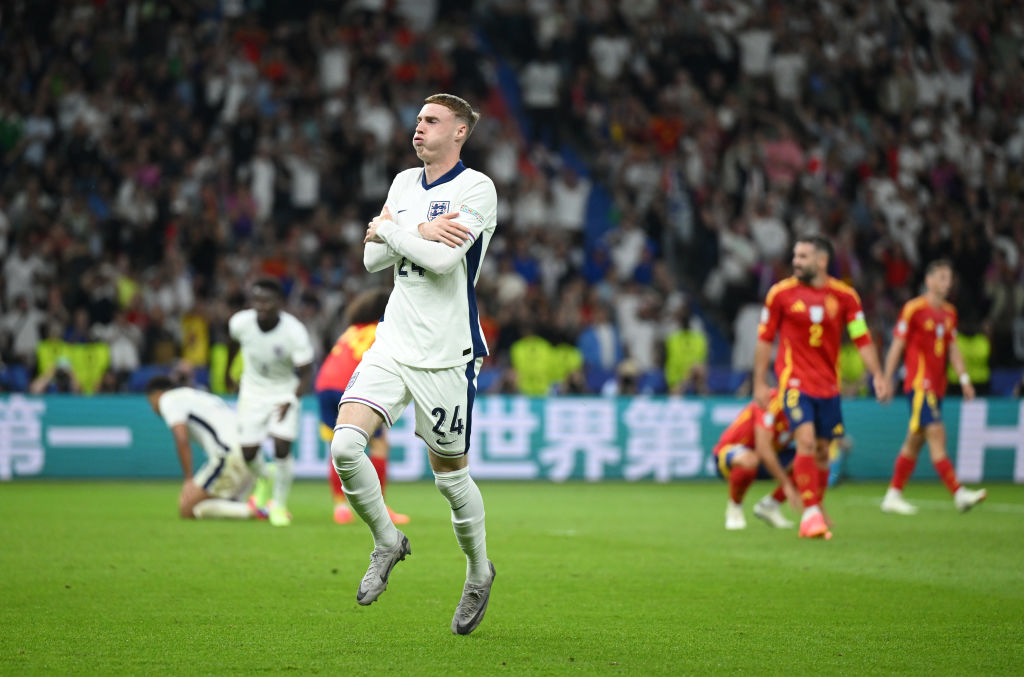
(513, 438)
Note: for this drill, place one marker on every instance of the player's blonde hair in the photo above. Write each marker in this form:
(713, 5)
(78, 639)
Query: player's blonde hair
(463, 111)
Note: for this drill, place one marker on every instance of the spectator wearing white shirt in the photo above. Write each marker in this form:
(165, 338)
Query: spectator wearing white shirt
(570, 193)
(21, 331)
(541, 82)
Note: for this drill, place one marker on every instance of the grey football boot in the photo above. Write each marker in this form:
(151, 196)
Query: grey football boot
(473, 605)
(382, 561)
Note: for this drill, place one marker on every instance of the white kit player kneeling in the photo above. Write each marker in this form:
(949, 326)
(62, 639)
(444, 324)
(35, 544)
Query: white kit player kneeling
(219, 488)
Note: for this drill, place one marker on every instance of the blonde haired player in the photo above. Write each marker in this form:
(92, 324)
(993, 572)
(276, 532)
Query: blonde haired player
(433, 230)
(277, 357)
(220, 486)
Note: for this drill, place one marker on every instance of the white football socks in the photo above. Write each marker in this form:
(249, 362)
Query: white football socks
(212, 508)
(361, 485)
(285, 471)
(468, 520)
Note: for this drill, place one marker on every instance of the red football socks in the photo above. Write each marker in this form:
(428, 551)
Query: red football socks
(948, 475)
(332, 476)
(381, 466)
(902, 471)
(740, 480)
(823, 474)
(805, 475)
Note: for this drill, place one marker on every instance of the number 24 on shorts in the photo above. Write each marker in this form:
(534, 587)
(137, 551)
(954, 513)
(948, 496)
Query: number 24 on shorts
(456, 427)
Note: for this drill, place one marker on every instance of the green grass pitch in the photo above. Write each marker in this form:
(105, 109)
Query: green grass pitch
(614, 578)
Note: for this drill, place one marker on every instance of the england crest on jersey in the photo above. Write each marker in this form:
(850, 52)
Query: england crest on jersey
(437, 208)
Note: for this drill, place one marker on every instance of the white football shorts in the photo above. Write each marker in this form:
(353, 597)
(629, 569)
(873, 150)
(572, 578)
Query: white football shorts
(225, 476)
(259, 416)
(443, 398)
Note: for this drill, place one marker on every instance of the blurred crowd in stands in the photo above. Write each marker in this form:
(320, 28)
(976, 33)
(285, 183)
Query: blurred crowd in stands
(653, 158)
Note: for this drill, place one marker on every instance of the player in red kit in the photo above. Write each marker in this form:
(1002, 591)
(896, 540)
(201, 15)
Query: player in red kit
(756, 445)
(807, 312)
(363, 314)
(927, 330)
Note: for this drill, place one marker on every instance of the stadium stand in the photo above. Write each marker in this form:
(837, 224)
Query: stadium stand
(154, 157)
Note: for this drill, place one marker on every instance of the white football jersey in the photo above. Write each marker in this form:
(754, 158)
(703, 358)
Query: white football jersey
(270, 357)
(210, 421)
(431, 319)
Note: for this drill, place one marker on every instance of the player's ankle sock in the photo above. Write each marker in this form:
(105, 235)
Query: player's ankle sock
(222, 508)
(780, 494)
(285, 471)
(947, 474)
(332, 477)
(380, 465)
(805, 475)
(740, 480)
(901, 471)
(809, 512)
(361, 484)
(468, 520)
(823, 474)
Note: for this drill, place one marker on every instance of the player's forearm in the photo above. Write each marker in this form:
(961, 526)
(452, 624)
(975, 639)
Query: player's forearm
(762, 358)
(436, 257)
(956, 358)
(185, 458)
(870, 358)
(184, 449)
(892, 358)
(378, 256)
(305, 380)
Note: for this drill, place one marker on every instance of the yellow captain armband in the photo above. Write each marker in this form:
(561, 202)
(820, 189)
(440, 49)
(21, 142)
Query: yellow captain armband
(857, 327)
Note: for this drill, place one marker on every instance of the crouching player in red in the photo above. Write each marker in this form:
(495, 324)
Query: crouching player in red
(927, 329)
(333, 378)
(808, 311)
(756, 446)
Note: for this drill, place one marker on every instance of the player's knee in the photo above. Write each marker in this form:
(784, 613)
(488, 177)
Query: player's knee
(454, 484)
(348, 445)
(748, 461)
(282, 447)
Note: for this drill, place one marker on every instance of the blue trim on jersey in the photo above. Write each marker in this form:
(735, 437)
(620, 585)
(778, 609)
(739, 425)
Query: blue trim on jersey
(209, 429)
(472, 265)
(470, 396)
(445, 178)
(215, 475)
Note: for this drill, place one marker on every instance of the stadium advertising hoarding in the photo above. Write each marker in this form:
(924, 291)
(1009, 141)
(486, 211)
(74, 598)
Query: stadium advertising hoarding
(513, 438)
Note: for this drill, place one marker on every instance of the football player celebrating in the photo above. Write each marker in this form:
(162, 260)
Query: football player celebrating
(433, 231)
(927, 331)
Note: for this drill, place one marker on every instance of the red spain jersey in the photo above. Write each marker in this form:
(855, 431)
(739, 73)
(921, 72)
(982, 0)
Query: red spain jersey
(928, 332)
(809, 322)
(344, 357)
(741, 430)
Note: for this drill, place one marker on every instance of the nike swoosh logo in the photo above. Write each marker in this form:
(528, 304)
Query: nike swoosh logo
(401, 210)
(440, 441)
